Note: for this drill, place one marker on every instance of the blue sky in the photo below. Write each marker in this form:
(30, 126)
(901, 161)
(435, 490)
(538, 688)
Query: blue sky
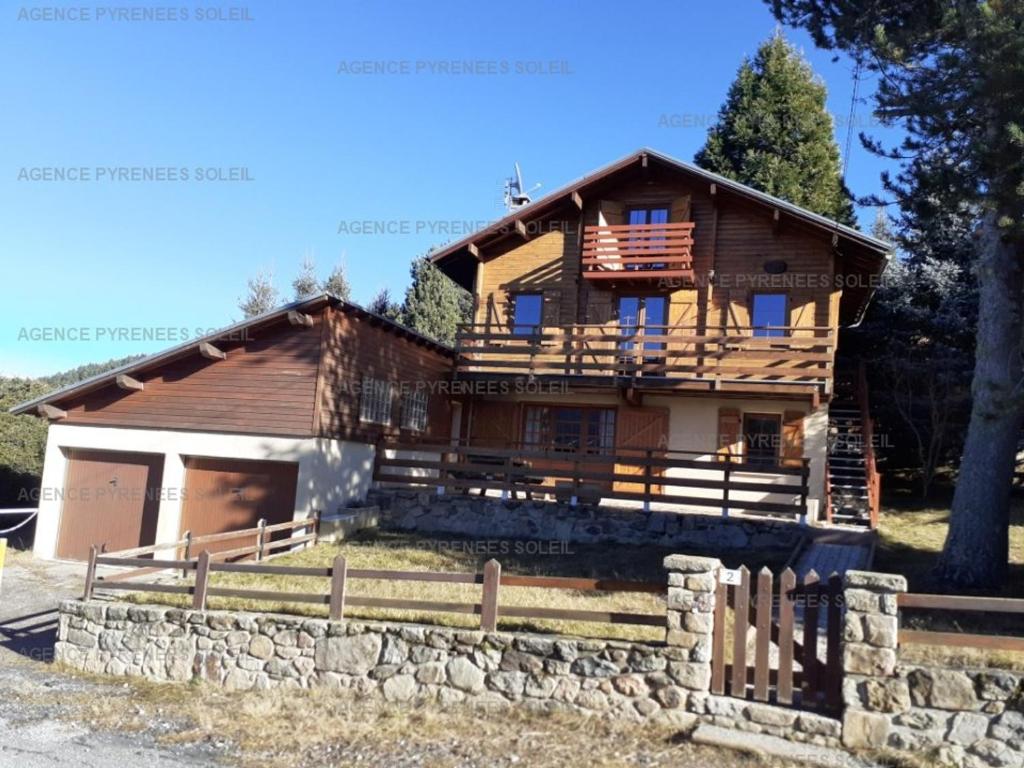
(304, 156)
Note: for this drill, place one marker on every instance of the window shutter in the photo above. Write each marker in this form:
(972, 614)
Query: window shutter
(792, 438)
(729, 429)
(611, 212)
(680, 211)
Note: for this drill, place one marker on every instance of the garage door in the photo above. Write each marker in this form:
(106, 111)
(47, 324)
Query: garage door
(231, 494)
(111, 499)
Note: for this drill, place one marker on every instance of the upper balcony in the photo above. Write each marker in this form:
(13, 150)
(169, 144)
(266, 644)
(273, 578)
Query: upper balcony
(738, 359)
(638, 253)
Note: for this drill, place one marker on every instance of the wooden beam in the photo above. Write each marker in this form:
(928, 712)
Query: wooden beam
(300, 319)
(473, 251)
(643, 160)
(521, 229)
(51, 412)
(713, 191)
(776, 220)
(577, 200)
(127, 382)
(210, 352)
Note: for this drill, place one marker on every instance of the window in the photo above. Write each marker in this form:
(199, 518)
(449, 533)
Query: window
(648, 216)
(768, 311)
(761, 439)
(526, 313)
(375, 401)
(591, 430)
(642, 316)
(414, 410)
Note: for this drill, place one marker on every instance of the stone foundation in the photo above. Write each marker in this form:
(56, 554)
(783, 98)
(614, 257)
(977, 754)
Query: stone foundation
(490, 517)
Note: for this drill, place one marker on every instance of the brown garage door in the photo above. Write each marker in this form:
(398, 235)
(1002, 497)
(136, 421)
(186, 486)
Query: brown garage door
(111, 499)
(231, 494)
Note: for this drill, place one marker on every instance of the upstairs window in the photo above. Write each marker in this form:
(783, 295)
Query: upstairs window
(761, 439)
(768, 314)
(375, 401)
(526, 313)
(414, 410)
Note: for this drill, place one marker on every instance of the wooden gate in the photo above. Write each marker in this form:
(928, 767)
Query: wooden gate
(778, 644)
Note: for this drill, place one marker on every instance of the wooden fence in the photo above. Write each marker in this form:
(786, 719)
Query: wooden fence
(989, 605)
(339, 575)
(770, 615)
(637, 475)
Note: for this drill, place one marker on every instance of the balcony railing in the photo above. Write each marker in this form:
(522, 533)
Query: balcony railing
(644, 252)
(792, 355)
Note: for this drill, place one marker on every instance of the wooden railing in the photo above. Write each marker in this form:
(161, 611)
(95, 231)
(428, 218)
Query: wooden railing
(871, 476)
(638, 251)
(263, 547)
(339, 575)
(770, 613)
(988, 605)
(795, 355)
(647, 475)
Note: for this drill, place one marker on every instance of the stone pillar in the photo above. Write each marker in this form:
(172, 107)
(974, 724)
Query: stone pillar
(691, 605)
(872, 692)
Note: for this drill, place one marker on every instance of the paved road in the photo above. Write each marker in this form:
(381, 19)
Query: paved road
(32, 732)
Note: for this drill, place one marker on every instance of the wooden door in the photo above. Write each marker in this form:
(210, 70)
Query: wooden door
(111, 500)
(636, 431)
(232, 494)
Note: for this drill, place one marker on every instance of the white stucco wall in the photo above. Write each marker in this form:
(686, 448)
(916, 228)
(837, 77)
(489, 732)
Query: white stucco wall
(331, 473)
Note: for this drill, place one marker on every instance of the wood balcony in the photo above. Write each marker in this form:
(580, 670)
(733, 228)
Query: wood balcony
(638, 253)
(660, 356)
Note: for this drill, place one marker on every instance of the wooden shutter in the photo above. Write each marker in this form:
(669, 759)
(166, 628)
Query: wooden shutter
(611, 212)
(730, 429)
(680, 210)
(636, 430)
(792, 438)
(494, 424)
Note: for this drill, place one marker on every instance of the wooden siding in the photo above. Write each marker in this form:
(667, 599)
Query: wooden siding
(265, 385)
(354, 349)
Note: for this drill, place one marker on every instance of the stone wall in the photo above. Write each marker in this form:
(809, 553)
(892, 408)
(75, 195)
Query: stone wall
(959, 717)
(482, 516)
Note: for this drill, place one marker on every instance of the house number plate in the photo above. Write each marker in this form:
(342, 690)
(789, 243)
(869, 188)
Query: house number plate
(725, 576)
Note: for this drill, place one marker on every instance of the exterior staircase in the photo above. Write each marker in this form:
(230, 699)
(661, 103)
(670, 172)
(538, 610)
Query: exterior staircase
(852, 479)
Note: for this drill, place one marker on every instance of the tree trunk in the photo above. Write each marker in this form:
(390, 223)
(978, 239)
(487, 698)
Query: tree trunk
(976, 551)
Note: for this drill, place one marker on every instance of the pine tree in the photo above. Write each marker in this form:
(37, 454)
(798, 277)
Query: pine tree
(434, 305)
(262, 296)
(774, 133)
(952, 76)
(337, 284)
(306, 284)
(382, 305)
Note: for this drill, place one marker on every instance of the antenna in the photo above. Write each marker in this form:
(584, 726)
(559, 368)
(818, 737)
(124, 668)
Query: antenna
(515, 195)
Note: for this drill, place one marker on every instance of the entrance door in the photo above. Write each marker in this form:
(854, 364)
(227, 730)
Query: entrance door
(111, 500)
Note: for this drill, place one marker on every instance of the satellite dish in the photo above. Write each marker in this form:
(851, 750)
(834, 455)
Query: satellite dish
(516, 196)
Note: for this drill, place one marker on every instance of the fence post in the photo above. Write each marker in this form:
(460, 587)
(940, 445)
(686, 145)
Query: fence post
(260, 534)
(870, 643)
(574, 495)
(90, 573)
(202, 581)
(489, 604)
(647, 481)
(316, 527)
(725, 485)
(805, 478)
(690, 616)
(508, 478)
(339, 573)
(188, 552)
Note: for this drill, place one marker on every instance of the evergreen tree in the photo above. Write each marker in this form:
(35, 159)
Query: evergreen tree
(434, 305)
(262, 296)
(337, 284)
(952, 76)
(774, 134)
(382, 305)
(306, 284)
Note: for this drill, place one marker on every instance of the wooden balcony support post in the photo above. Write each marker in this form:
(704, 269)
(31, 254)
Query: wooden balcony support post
(649, 455)
(725, 484)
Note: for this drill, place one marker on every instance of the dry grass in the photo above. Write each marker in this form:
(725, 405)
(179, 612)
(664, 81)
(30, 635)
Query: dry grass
(910, 540)
(319, 727)
(392, 551)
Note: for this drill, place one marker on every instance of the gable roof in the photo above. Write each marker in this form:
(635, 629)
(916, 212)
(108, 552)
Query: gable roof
(191, 347)
(860, 253)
